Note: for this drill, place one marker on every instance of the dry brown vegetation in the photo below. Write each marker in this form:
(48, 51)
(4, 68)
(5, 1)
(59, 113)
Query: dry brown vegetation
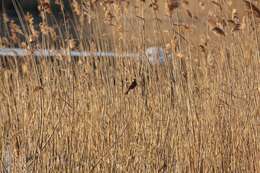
(199, 112)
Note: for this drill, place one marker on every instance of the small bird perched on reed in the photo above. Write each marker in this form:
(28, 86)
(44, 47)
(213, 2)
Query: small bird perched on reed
(131, 87)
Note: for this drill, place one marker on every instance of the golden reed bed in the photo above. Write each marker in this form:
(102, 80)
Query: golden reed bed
(198, 112)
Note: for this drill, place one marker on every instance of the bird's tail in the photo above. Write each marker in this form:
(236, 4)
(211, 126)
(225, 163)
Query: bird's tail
(127, 92)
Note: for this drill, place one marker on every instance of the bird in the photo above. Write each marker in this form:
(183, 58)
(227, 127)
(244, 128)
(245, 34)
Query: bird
(132, 86)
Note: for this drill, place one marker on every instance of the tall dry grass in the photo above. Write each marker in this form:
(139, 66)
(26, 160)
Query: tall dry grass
(196, 113)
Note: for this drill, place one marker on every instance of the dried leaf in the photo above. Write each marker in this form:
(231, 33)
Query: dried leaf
(218, 31)
(250, 6)
(217, 4)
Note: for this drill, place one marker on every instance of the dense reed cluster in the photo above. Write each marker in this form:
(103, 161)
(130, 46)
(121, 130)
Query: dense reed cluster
(197, 112)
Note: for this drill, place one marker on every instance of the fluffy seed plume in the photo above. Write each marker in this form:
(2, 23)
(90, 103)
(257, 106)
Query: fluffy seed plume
(171, 5)
(235, 15)
(202, 5)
